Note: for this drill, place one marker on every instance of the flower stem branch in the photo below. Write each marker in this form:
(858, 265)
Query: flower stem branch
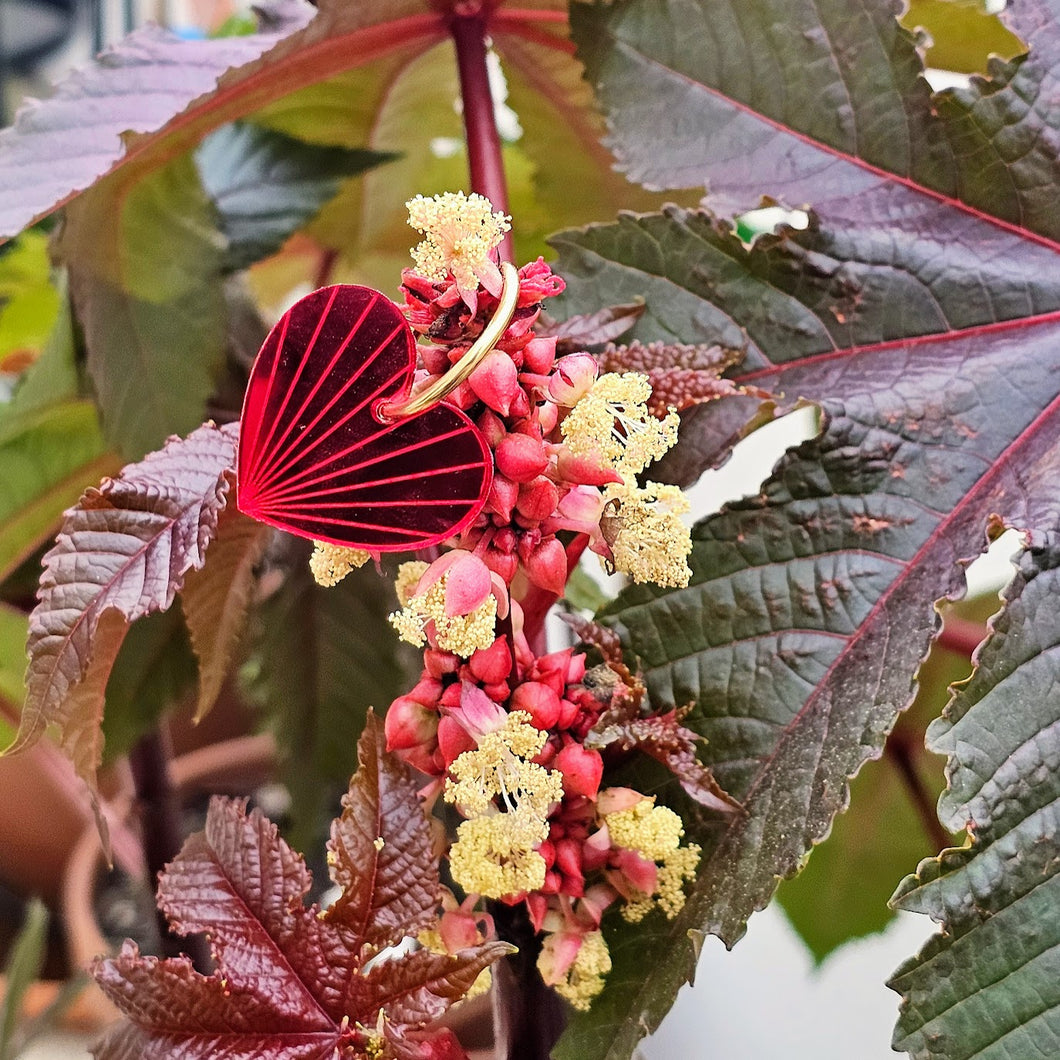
(900, 752)
(480, 125)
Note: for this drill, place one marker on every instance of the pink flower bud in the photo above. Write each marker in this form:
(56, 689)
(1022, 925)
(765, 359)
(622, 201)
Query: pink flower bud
(547, 566)
(536, 906)
(539, 354)
(581, 769)
(503, 564)
(435, 358)
(638, 870)
(496, 381)
(595, 902)
(409, 724)
(467, 586)
(521, 457)
(568, 714)
(492, 429)
(539, 701)
(538, 499)
(477, 712)
(569, 857)
(520, 404)
(503, 495)
(547, 417)
(595, 850)
(558, 953)
(453, 740)
(547, 850)
(498, 691)
(427, 691)
(583, 470)
(440, 663)
(613, 800)
(451, 697)
(459, 931)
(572, 378)
(492, 664)
(575, 668)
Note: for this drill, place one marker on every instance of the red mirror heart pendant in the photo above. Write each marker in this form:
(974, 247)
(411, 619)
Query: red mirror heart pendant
(317, 458)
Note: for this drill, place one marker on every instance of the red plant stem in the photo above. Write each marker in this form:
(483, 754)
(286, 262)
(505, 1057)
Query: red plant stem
(961, 635)
(325, 267)
(485, 161)
(163, 831)
(901, 753)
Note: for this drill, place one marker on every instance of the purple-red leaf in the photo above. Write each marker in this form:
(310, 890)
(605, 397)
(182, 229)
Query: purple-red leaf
(123, 552)
(215, 602)
(319, 459)
(293, 983)
(381, 850)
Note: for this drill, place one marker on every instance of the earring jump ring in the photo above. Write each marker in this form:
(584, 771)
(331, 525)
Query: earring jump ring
(491, 333)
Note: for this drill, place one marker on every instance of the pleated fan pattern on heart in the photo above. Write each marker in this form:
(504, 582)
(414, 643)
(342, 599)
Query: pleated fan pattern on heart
(318, 459)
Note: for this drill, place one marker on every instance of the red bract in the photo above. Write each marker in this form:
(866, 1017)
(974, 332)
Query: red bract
(293, 983)
(317, 458)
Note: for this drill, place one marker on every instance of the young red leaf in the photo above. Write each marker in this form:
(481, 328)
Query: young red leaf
(216, 602)
(389, 889)
(664, 738)
(294, 983)
(317, 458)
(123, 552)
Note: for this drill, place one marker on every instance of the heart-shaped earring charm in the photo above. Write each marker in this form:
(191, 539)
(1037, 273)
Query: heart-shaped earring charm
(333, 448)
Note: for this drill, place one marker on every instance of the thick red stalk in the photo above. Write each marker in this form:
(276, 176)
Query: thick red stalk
(485, 161)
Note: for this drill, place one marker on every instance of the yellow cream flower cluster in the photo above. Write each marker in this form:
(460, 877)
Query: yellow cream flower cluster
(612, 423)
(461, 634)
(584, 979)
(329, 563)
(654, 832)
(461, 232)
(643, 526)
(649, 540)
(494, 851)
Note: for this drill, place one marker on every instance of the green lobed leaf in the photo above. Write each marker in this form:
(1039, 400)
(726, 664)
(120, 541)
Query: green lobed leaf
(28, 301)
(988, 984)
(145, 274)
(51, 447)
(815, 101)
(961, 34)
(911, 318)
(265, 185)
(13, 628)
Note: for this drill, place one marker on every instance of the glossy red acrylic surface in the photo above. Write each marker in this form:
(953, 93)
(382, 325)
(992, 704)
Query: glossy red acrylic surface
(315, 457)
